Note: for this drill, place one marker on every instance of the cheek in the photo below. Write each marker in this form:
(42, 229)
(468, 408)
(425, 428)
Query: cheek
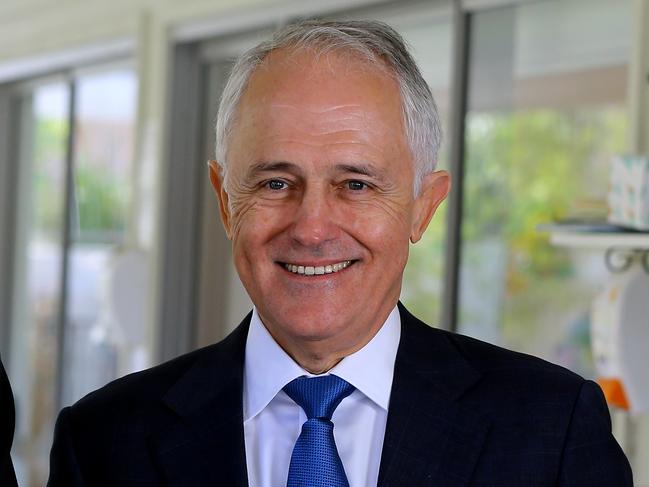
(253, 229)
(242, 209)
(246, 236)
(381, 225)
(251, 220)
(249, 259)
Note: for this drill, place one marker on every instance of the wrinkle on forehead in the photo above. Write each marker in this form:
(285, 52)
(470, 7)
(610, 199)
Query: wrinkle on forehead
(336, 61)
(314, 111)
(286, 76)
(320, 119)
(318, 110)
(303, 103)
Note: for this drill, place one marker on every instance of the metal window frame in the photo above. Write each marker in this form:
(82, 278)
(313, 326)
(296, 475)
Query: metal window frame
(8, 198)
(178, 261)
(68, 207)
(459, 103)
(39, 66)
(10, 94)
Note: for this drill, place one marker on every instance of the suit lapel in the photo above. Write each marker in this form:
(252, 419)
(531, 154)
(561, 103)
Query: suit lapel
(430, 438)
(206, 445)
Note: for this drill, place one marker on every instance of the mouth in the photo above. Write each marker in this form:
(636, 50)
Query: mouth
(320, 270)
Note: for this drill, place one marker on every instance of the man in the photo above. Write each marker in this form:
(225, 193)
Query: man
(7, 475)
(327, 137)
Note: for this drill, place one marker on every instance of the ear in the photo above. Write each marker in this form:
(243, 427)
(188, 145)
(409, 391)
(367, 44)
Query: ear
(216, 178)
(434, 189)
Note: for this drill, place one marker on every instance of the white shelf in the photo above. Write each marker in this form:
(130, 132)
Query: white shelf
(600, 240)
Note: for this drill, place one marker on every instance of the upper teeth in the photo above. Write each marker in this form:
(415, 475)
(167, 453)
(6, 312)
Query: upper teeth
(317, 270)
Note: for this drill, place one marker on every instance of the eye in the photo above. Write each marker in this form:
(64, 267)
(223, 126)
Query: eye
(356, 185)
(276, 184)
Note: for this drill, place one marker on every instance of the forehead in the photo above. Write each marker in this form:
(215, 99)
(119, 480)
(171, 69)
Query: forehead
(324, 92)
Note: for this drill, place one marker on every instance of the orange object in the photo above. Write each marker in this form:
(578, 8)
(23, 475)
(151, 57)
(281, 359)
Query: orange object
(614, 392)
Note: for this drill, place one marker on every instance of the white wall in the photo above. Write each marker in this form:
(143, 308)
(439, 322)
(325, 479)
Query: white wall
(29, 27)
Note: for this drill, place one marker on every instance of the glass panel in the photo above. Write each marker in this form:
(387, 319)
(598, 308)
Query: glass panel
(430, 37)
(222, 298)
(546, 112)
(38, 266)
(102, 339)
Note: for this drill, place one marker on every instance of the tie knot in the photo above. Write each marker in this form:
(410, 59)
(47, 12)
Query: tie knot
(318, 396)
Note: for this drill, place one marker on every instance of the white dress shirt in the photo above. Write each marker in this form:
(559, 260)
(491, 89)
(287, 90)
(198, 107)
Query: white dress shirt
(272, 421)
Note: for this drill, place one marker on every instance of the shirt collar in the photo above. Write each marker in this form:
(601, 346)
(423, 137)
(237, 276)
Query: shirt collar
(268, 368)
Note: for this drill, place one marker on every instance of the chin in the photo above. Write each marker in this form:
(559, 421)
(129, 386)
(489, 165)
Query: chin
(309, 322)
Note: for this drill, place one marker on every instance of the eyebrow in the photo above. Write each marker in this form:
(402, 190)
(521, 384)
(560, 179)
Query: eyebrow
(272, 166)
(364, 169)
(368, 170)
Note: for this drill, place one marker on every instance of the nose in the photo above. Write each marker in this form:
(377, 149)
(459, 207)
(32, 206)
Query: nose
(313, 222)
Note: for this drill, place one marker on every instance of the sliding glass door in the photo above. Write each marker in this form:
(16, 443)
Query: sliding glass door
(69, 328)
(38, 268)
(546, 111)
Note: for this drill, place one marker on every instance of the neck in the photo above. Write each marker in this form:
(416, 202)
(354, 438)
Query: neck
(317, 366)
(320, 356)
(319, 350)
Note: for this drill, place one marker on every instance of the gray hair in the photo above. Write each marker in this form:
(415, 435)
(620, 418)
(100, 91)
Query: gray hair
(374, 42)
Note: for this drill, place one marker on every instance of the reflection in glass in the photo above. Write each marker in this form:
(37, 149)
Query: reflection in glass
(104, 129)
(38, 268)
(102, 334)
(430, 41)
(546, 112)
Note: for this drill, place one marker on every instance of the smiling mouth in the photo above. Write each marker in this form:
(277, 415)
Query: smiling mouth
(307, 270)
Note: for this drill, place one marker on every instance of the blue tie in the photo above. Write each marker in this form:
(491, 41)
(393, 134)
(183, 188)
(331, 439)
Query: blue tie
(315, 461)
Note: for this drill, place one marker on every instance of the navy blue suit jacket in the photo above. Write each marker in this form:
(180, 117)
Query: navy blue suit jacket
(7, 475)
(462, 413)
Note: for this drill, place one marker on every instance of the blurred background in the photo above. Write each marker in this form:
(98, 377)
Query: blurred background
(111, 252)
